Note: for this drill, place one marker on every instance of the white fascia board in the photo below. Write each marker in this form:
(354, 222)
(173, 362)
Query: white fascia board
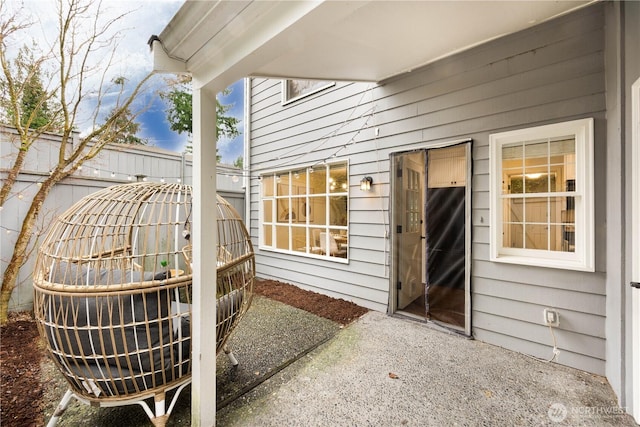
(162, 63)
(232, 54)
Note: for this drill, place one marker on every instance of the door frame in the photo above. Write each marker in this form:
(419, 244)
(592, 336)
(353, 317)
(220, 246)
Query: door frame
(393, 263)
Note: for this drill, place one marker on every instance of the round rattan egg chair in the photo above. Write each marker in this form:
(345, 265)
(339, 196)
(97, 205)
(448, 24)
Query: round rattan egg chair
(113, 293)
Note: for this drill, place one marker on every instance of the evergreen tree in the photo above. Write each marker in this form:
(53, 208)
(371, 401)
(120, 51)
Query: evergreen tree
(27, 105)
(125, 128)
(33, 102)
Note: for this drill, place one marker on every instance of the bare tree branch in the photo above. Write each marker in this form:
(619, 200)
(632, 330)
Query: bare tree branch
(78, 66)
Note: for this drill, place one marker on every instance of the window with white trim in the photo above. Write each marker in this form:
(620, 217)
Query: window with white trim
(305, 211)
(542, 196)
(294, 89)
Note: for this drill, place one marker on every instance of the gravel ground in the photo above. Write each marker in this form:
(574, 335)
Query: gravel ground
(297, 369)
(386, 371)
(269, 338)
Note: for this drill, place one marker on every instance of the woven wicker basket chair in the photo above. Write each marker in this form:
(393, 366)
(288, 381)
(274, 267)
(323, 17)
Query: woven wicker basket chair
(113, 294)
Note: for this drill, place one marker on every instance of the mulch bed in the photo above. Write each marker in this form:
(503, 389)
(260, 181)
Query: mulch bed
(338, 310)
(21, 351)
(20, 380)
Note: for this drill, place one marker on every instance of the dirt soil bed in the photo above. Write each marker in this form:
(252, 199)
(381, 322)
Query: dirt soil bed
(20, 381)
(21, 351)
(338, 310)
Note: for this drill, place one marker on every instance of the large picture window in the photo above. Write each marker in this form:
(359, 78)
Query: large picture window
(542, 196)
(305, 211)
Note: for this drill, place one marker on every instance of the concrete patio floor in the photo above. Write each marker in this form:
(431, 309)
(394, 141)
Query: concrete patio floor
(297, 369)
(389, 371)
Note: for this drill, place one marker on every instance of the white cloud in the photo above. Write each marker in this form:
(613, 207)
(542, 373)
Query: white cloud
(131, 58)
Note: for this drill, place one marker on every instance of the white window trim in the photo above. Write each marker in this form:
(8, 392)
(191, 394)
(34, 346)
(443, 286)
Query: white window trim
(583, 259)
(325, 257)
(284, 92)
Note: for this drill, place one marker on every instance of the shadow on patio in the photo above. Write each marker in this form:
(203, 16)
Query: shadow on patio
(269, 338)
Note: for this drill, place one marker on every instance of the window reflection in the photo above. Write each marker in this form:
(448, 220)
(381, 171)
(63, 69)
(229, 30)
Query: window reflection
(533, 174)
(298, 88)
(305, 211)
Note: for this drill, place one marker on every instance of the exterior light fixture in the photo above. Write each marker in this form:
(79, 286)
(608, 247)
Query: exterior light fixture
(365, 184)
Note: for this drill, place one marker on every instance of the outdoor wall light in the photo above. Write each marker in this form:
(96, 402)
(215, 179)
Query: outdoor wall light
(365, 184)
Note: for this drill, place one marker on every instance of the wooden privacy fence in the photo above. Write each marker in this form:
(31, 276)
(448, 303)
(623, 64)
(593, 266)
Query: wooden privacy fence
(116, 164)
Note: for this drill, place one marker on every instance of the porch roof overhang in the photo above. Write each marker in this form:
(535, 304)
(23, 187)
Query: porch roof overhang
(221, 42)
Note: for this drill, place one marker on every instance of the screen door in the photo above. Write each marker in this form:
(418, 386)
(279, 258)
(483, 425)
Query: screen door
(431, 245)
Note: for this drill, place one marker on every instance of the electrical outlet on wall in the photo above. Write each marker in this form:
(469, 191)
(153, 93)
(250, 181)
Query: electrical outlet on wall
(551, 317)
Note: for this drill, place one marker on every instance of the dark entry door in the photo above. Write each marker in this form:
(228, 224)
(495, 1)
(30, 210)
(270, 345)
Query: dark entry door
(445, 300)
(432, 242)
(446, 232)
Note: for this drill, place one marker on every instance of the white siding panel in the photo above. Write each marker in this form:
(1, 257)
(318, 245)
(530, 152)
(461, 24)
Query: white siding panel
(480, 234)
(480, 166)
(480, 216)
(481, 200)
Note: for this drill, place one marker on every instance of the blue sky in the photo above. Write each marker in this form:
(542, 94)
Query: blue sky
(154, 125)
(155, 128)
(142, 18)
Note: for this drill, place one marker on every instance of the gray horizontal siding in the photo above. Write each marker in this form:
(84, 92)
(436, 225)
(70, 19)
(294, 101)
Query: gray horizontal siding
(284, 137)
(550, 73)
(540, 350)
(518, 81)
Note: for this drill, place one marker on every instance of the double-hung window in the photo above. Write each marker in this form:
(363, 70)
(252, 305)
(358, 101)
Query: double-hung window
(305, 211)
(542, 196)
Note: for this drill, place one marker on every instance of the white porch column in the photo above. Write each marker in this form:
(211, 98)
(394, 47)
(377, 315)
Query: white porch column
(635, 250)
(204, 239)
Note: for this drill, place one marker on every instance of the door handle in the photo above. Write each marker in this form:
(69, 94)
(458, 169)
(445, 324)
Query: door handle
(635, 285)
